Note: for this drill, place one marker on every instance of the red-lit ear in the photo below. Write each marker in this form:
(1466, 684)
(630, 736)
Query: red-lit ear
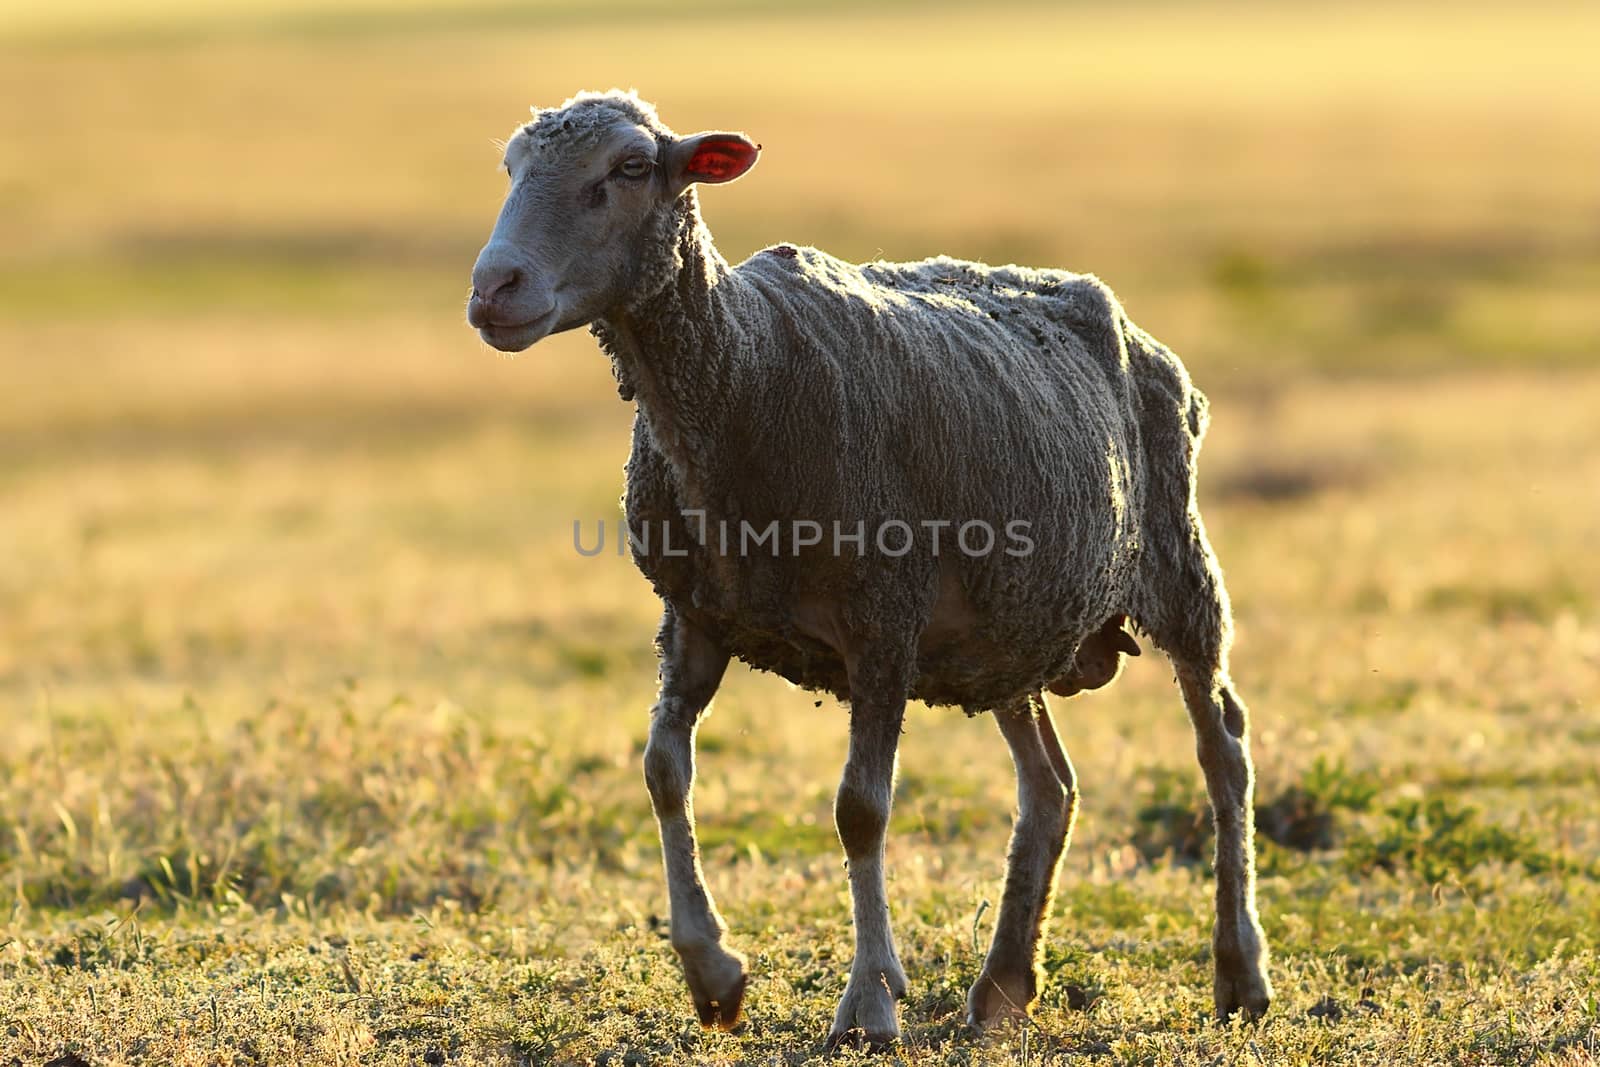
(712, 158)
(720, 157)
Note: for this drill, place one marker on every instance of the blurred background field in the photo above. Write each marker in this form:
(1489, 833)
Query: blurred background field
(320, 741)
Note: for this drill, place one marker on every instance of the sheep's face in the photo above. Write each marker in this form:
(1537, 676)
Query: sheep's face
(586, 200)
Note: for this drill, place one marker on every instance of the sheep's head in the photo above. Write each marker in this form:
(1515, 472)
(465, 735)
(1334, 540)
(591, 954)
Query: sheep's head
(591, 183)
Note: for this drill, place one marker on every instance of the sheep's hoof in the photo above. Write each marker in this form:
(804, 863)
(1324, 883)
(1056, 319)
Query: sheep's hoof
(859, 1038)
(722, 1012)
(1240, 984)
(717, 983)
(1246, 995)
(999, 999)
(866, 1017)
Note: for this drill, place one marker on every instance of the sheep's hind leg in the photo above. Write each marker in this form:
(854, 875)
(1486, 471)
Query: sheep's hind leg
(691, 669)
(1188, 614)
(861, 812)
(1221, 726)
(1047, 804)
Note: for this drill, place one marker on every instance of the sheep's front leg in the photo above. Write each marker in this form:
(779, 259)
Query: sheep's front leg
(861, 813)
(1047, 804)
(691, 669)
(1221, 728)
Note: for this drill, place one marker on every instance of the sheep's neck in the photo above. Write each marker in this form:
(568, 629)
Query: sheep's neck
(679, 349)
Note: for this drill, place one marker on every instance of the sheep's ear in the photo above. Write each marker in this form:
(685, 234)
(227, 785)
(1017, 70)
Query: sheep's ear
(712, 158)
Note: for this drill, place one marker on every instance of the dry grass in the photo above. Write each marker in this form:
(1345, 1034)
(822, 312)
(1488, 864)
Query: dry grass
(321, 741)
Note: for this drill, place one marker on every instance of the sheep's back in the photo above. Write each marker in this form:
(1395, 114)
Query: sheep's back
(956, 391)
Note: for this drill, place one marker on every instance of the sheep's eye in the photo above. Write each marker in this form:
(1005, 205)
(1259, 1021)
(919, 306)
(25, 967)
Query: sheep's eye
(636, 167)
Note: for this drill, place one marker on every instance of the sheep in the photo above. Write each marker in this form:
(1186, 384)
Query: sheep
(844, 418)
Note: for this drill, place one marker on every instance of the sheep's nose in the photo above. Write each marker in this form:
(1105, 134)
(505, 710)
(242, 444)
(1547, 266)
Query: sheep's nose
(489, 279)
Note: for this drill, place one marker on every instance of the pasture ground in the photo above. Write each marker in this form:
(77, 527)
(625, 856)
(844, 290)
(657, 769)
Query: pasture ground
(320, 742)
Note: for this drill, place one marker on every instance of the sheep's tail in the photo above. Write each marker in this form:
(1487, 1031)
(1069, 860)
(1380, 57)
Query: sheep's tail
(1164, 381)
(1181, 601)
(1198, 413)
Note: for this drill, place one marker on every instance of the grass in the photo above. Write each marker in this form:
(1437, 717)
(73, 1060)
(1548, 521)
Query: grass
(322, 743)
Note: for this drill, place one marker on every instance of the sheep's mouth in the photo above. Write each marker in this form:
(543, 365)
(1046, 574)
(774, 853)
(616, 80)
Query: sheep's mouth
(515, 337)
